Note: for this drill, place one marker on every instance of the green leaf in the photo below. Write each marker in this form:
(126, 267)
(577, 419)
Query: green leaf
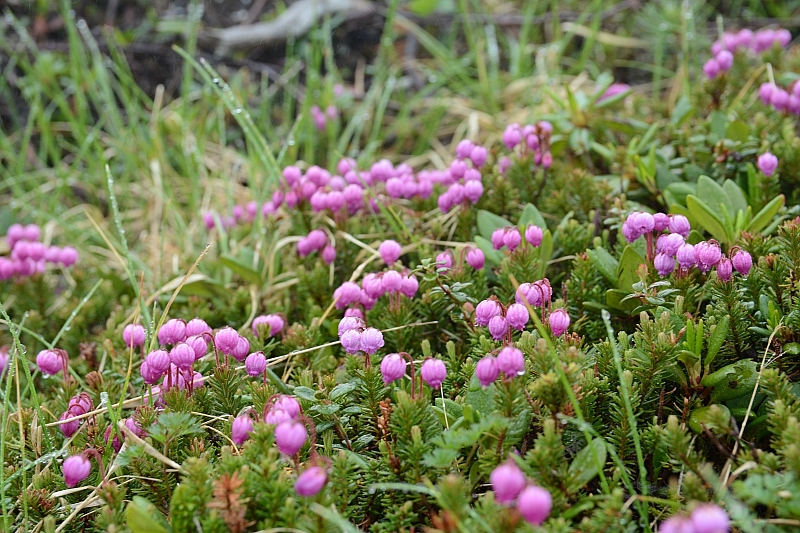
(615, 298)
(732, 381)
(765, 216)
(440, 458)
(488, 222)
(683, 111)
(331, 515)
(706, 218)
(719, 124)
(242, 270)
(583, 468)
(454, 410)
(531, 215)
(341, 390)
(712, 193)
(716, 339)
(326, 409)
(738, 131)
(707, 416)
(143, 517)
(605, 263)
(545, 252)
(736, 196)
(679, 191)
(305, 393)
(422, 7)
(628, 265)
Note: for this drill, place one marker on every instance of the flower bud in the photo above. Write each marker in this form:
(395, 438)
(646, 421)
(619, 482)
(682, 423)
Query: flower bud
(637, 224)
(328, 254)
(288, 404)
(660, 222)
(198, 345)
(69, 428)
(669, 244)
(351, 341)
(226, 340)
(767, 163)
(242, 349)
(498, 238)
(664, 264)
(391, 281)
(685, 256)
(444, 260)
(533, 235)
(182, 356)
(707, 254)
(159, 362)
(276, 416)
(512, 238)
(410, 286)
(724, 269)
(348, 323)
(68, 256)
(676, 524)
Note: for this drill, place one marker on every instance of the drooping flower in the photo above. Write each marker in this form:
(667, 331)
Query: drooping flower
(172, 332)
(133, 335)
(76, 468)
(311, 481)
(707, 254)
(660, 222)
(390, 251)
(507, 481)
(676, 524)
(533, 235)
(498, 327)
(351, 341)
(371, 340)
(669, 244)
(255, 364)
(241, 350)
(637, 224)
(197, 326)
(241, 429)
(288, 404)
(182, 356)
(664, 264)
(476, 258)
(534, 504)
(485, 311)
(559, 321)
(486, 370)
(290, 436)
(767, 163)
(50, 362)
(686, 256)
(510, 361)
(742, 262)
(226, 340)
(680, 224)
(517, 316)
(393, 367)
(433, 372)
(724, 269)
(512, 238)
(710, 518)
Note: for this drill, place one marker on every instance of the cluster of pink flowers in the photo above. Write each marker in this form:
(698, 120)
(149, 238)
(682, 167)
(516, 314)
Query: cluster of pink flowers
(29, 256)
(268, 325)
(531, 137)
(356, 337)
(284, 413)
(79, 405)
(724, 48)
(317, 240)
(433, 371)
(760, 41)
(510, 485)
(132, 425)
(783, 100)
(672, 247)
(373, 286)
(240, 214)
(321, 117)
(463, 179)
(511, 238)
(705, 518)
(502, 320)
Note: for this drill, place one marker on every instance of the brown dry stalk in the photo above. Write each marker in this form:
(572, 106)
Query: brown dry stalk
(228, 499)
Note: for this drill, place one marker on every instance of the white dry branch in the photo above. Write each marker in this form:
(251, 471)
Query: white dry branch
(299, 18)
